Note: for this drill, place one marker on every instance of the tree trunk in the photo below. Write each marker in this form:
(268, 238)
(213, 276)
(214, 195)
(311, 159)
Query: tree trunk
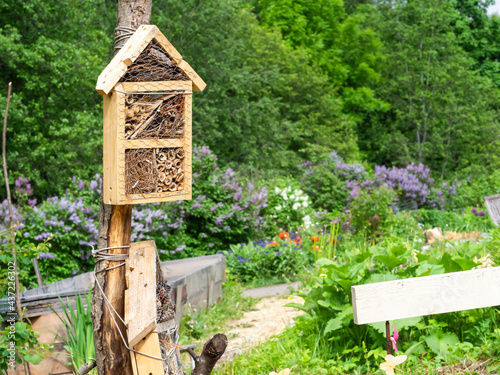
(112, 356)
(115, 226)
(131, 14)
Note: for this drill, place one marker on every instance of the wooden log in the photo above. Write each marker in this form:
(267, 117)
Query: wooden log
(112, 356)
(212, 352)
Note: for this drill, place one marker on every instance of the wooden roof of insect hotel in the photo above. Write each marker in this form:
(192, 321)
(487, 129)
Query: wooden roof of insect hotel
(133, 49)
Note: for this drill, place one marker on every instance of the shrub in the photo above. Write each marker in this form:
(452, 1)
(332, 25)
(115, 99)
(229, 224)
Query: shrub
(288, 208)
(328, 182)
(225, 210)
(371, 210)
(265, 261)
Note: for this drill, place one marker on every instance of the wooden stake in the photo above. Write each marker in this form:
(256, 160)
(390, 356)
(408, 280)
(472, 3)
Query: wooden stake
(115, 226)
(112, 356)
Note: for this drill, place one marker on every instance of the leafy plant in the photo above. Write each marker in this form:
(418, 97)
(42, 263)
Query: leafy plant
(262, 262)
(79, 340)
(19, 342)
(371, 210)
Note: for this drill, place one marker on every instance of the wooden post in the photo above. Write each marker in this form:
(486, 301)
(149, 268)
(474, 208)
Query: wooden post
(115, 223)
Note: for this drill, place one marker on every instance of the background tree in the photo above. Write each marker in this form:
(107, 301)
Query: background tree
(443, 113)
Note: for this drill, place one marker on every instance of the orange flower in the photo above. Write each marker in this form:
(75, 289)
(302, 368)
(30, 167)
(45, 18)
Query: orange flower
(284, 235)
(315, 239)
(334, 241)
(315, 247)
(273, 243)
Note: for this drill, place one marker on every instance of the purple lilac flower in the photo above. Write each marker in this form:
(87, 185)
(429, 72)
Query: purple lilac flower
(180, 248)
(74, 272)
(46, 256)
(196, 205)
(210, 245)
(279, 253)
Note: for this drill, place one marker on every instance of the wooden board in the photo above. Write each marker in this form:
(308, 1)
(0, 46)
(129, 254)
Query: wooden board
(111, 118)
(154, 86)
(493, 206)
(428, 295)
(198, 83)
(134, 46)
(142, 291)
(147, 365)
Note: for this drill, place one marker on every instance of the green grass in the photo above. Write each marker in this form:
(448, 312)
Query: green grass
(199, 326)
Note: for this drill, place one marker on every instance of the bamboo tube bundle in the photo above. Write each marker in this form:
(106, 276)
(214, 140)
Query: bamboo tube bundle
(154, 170)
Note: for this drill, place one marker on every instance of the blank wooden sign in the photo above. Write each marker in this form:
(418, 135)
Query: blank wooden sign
(428, 295)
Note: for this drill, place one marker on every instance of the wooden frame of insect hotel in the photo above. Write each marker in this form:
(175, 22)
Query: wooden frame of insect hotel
(147, 90)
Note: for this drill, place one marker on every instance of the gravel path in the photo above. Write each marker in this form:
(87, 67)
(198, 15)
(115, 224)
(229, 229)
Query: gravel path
(269, 318)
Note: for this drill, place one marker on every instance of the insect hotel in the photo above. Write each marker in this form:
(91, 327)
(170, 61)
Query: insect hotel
(147, 90)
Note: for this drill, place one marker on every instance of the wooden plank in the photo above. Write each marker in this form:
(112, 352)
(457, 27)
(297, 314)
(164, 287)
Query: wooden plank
(211, 286)
(198, 83)
(142, 291)
(146, 365)
(493, 207)
(126, 317)
(428, 295)
(188, 144)
(154, 86)
(110, 146)
(168, 47)
(152, 143)
(178, 305)
(126, 56)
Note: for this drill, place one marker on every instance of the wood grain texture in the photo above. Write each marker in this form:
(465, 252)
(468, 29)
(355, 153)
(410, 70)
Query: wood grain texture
(142, 291)
(198, 83)
(112, 356)
(154, 86)
(493, 207)
(146, 365)
(110, 146)
(428, 295)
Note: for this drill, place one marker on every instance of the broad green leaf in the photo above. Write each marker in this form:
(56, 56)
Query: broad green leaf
(390, 261)
(440, 342)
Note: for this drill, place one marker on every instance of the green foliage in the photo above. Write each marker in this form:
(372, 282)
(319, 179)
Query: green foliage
(260, 262)
(201, 325)
(478, 34)
(328, 304)
(25, 252)
(79, 340)
(262, 96)
(53, 51)
(465, 221)
(371, 210)
(18, 342)
(339, 43)
(442, 111)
